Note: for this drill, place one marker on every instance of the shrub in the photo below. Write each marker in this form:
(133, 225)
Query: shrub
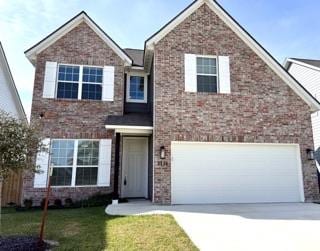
(43, 202)
(11, 204)
(77, 204)
(95, 200)
(27, 203)
(99, 199)
(58, 203)
(68, 202)
(84, 203)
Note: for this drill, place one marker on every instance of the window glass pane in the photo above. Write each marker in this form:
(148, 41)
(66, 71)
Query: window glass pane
(99, 71)
(91, 91)
(88, 153)
(67, 90)
(85, 78)
(206, 83)
(206, 65)
(86, 176)
(92, 83)
(68, 73)
(68, 77)
(61, 176)
(99, 79)
(62, 152)
(136, 87)
(92, 75)
(85, 70)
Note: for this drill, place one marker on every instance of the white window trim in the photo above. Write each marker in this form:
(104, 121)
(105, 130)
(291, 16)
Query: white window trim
(145, 90)
(203, 74)
(80, 82)
(74, 165)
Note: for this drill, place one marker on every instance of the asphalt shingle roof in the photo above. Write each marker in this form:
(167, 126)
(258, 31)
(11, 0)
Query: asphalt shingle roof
(136, 55)
(312, 62)
(130, 119)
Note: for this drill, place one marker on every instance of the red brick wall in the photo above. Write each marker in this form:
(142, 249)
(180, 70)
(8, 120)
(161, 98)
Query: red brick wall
(261, 107)
(75, 119)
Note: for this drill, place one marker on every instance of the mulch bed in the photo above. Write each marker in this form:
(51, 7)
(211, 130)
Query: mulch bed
(22, 243)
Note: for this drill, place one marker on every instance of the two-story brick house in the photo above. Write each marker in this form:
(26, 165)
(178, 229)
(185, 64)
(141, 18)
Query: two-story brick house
(202, 115)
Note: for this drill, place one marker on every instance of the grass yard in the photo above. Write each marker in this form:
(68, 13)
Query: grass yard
(92, 229)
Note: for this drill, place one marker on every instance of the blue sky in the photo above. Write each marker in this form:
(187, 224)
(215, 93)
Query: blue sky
(285, 28)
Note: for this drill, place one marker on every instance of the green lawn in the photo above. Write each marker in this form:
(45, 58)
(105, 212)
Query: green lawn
(92, 229)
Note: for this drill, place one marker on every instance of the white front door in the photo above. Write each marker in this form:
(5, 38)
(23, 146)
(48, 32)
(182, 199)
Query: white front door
(135, 167)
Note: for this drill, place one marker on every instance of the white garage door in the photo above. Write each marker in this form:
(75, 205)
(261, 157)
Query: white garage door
(235, 173)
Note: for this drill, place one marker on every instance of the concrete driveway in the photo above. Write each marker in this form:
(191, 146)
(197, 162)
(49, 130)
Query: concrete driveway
(263, 227)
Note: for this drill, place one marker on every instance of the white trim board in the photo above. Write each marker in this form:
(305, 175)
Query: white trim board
(71, 24)
(146, 130)
(145, 87)
(242, 34)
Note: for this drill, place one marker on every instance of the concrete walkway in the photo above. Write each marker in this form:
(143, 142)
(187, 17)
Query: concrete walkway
(247, 227)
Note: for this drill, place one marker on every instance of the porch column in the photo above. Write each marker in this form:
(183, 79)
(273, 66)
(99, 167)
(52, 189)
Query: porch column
(116, 168)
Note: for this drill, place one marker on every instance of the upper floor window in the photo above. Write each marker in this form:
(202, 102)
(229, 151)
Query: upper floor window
(92, 83)
(68, 81)
(137, 88)
(207, 77)
(207, 73)
(79, 82)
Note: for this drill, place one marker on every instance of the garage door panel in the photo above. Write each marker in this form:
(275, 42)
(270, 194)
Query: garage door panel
(235, 173)
(229, 170)
(241, 187)
(233, 179)
(238, 196)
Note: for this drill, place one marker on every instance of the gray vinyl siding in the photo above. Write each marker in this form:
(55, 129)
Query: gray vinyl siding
(310, 79)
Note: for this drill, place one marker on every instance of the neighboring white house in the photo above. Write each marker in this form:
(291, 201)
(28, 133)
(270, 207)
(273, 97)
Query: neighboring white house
(9, 97)
(307, 72)
(10, 102)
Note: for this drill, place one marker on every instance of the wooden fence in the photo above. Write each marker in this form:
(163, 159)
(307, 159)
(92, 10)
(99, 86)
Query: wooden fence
(11, 189)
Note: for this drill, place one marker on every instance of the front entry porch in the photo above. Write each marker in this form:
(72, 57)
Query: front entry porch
(133, 165)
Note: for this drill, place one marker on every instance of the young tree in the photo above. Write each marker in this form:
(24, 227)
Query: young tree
(19, 143)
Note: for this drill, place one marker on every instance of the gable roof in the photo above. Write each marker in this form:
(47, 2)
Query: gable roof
(242, 34)
(64, 29)
(11, 84)
(310, 63)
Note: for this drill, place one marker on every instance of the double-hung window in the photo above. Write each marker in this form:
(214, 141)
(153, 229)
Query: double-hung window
(137, 88)
(79, 82)
(87, 162)
(75, 162)
(207, 76)
(68, 81)
(92, 83)
(62, 152)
